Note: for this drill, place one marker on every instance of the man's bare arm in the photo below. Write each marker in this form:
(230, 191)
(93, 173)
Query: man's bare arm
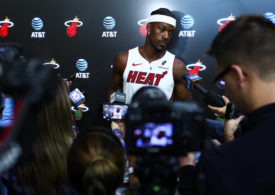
(180, 90)
(119, 65)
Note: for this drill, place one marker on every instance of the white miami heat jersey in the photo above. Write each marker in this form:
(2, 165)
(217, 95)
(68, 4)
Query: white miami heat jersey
(139, 72)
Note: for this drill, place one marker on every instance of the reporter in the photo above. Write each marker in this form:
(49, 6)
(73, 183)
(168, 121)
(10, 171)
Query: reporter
(118, 128)
(244, 51)
(7, 113)
(96, 162)
(44, 171)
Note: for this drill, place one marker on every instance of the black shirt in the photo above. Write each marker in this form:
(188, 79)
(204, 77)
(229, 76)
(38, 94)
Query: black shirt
(246, 165)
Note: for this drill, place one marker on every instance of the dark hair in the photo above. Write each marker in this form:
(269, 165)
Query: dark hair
(249, 40)
(163, 11)
(148, 94)
(9, 52)
(11, 45)
(96, 162)
(10, 59)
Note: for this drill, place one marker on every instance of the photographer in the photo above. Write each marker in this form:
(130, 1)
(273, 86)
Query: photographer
(244, 51)
(157, 134)
(8, 52)
(42, 130)
(7, 112)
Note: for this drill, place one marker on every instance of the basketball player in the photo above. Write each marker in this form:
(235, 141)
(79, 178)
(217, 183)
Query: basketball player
(117, 114)
(151, 64)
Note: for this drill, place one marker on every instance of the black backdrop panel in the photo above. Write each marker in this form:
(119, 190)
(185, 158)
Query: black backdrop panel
(99, 45)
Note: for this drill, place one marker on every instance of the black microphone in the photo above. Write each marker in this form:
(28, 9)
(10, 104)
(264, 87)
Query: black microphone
(118, 97)
(210, 97)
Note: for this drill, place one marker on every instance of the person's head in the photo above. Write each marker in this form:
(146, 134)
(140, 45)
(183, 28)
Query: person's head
(10, 51)
(148, 94)
(160, 27)
(96, 162)
(10, 56)
(117, 109)
(47, 168)
(244, 52)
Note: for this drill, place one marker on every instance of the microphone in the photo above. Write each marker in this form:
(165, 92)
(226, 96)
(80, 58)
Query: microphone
(210, 97)
(72, 77)
(77, 97)
(118, 97)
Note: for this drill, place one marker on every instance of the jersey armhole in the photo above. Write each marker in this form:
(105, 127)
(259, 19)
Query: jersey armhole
(173, 70)
(125, 64)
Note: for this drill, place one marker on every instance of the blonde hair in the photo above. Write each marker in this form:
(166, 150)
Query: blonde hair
(47, 168)
(96, 163)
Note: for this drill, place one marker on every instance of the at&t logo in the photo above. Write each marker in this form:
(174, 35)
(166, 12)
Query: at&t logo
(37, 25)
(82, 65)
(109, 24)
(187, 22)
(270, 16)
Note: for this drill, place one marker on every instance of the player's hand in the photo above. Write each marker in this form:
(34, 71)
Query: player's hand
(220, 110)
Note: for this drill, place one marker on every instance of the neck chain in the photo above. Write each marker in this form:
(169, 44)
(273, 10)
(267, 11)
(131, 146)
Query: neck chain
(146, 57)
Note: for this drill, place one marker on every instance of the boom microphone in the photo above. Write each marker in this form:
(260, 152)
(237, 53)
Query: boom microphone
(210, 97)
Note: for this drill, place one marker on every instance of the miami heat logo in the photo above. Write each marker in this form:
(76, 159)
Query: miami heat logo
(72, 26)
(142, 30)
(82, 107)
(4, 25)
(53, 64)
(195, 68)
(224, 21)
(78, 112)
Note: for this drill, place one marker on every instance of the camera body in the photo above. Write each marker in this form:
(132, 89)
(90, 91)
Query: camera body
(165, 128)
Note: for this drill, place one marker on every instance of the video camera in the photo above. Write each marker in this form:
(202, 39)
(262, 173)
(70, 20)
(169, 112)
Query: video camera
(164, 127)
(157, 133)
(30, 84)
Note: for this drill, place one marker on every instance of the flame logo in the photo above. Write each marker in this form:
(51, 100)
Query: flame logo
(72, 26)
(4, 25)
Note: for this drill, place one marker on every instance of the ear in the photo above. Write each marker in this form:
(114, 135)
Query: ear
(148, 27)
(240, 75)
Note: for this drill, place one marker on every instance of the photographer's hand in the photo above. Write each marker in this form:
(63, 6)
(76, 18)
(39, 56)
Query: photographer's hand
(68, 82)
(118, 124)
(230, 127)
(189, 159)
(220, 111)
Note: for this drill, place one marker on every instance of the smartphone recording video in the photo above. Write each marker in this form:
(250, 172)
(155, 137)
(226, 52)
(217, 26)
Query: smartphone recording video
(114, 112)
